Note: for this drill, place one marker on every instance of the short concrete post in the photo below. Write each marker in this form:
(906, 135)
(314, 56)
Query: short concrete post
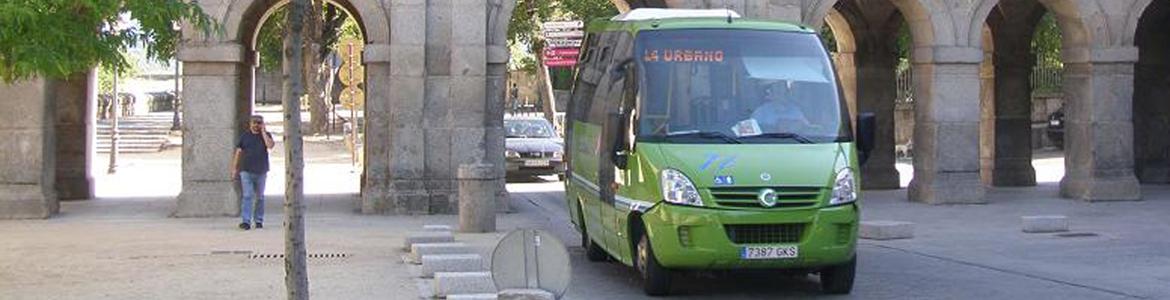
(477, 198)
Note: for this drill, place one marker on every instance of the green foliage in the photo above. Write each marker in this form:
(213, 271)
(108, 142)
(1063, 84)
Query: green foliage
(904, 42)
(56, 38)
(524, 30)
(106, 77)
(828, 39)
(1046, 42)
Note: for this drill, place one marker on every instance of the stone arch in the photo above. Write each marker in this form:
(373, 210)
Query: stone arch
(1075, 29)
(844, 59)
(241, 13)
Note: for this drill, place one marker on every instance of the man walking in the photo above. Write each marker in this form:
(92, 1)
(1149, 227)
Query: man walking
(252, 149)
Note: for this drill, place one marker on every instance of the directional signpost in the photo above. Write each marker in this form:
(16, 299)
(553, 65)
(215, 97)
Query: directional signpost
(563, 42)
(562, 47)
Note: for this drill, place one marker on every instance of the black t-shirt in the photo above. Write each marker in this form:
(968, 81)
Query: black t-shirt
(255, 158)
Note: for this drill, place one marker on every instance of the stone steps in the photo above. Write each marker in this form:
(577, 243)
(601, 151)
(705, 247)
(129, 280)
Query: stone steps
(454, 270)
(136, 134)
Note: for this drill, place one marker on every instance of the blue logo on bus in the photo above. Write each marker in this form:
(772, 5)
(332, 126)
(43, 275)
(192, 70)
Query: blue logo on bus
(724, 180)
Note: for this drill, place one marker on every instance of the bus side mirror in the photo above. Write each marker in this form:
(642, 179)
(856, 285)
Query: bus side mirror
(618, 71)
(866, 126)
(619, 154)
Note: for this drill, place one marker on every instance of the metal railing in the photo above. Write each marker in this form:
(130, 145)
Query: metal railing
(1047, 79)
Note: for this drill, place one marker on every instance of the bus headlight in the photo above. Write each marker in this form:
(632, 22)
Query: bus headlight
(844, 190)
(678, 189)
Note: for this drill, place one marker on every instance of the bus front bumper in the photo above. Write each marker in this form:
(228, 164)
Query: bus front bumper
(685, 237)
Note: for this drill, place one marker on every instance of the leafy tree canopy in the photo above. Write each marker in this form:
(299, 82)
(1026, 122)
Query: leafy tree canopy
(524, 30)
(270, 42)
(56, 38)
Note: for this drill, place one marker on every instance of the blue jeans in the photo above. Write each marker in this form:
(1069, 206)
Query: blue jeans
(253, 185)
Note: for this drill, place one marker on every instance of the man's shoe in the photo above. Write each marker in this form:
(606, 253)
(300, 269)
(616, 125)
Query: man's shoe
(245, 226)
(259, 225)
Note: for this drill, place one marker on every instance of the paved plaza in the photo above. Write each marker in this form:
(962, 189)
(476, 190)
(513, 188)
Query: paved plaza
(123, 245)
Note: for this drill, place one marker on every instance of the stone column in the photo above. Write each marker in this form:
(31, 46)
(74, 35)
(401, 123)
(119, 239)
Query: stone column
(876, 90)
(376, 163)
(987, 114)
(404, 189)
(28, 168)
(76, 105)
(499, 15)
(477, 213)
(946, 132)
(468, 90)
(1013, 110)
(437, 109)
(212, 110)
(1098, 127)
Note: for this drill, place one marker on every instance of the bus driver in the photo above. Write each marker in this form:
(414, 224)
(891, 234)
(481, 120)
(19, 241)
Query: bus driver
(779, 112)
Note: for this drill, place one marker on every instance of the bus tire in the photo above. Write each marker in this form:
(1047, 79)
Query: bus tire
(838, 279)
(655, 277)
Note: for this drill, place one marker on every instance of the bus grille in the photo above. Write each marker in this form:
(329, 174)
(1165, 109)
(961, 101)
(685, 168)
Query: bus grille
(748, 197)
(765, 233)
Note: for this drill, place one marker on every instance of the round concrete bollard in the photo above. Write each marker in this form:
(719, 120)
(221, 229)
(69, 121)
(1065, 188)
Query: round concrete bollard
(477, 198)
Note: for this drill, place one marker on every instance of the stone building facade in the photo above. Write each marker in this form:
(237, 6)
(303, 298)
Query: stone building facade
(436, 71)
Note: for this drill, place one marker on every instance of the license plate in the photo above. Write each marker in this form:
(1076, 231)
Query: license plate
(536, 163)
(769, 252)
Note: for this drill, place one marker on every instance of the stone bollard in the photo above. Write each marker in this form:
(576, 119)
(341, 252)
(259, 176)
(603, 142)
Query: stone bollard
(477, 198)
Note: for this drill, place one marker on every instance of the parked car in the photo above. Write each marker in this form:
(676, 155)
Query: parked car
(533, 148)
(1055, 130)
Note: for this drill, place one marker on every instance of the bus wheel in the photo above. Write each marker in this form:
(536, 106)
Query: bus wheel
(838, 280)
(655, 278)
(593, 252)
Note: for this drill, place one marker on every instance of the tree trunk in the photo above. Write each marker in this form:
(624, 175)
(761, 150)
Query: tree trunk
(295, 268)
(312, 74)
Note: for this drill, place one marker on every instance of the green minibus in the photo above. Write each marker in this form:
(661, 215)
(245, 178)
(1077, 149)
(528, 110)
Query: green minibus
(699, 140)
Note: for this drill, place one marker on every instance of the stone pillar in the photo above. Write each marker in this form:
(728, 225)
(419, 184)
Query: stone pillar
(946, 132)
(212, 112)
(376, 163)
(1099, 128)
(1013, 111)
(440, 169)
(76, 105)
(477, 213)
(876, 90)
(499, 15)
(403, 191)
(468, 89)
(28, 168)
(987, 114)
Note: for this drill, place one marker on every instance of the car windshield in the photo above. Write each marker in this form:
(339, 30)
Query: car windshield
(749, 86)
(534, 128)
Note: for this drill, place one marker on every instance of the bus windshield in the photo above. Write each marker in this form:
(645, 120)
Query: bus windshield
(737, 86)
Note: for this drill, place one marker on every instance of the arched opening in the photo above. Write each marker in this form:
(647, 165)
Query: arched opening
(1022, 128)
(873, 47)
(333, 149)
(148, 137)
(1151, 95)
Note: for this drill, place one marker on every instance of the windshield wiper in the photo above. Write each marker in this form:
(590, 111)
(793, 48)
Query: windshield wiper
(785, 135)
(705, 134)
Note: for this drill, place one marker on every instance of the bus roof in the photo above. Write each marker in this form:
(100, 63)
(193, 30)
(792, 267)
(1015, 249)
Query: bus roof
(659, 19)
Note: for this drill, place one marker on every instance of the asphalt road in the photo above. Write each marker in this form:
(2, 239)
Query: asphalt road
(885, 270)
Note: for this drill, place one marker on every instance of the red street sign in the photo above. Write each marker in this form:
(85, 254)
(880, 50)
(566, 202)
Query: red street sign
(555, 57)
(562, 52)
(563, 62)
